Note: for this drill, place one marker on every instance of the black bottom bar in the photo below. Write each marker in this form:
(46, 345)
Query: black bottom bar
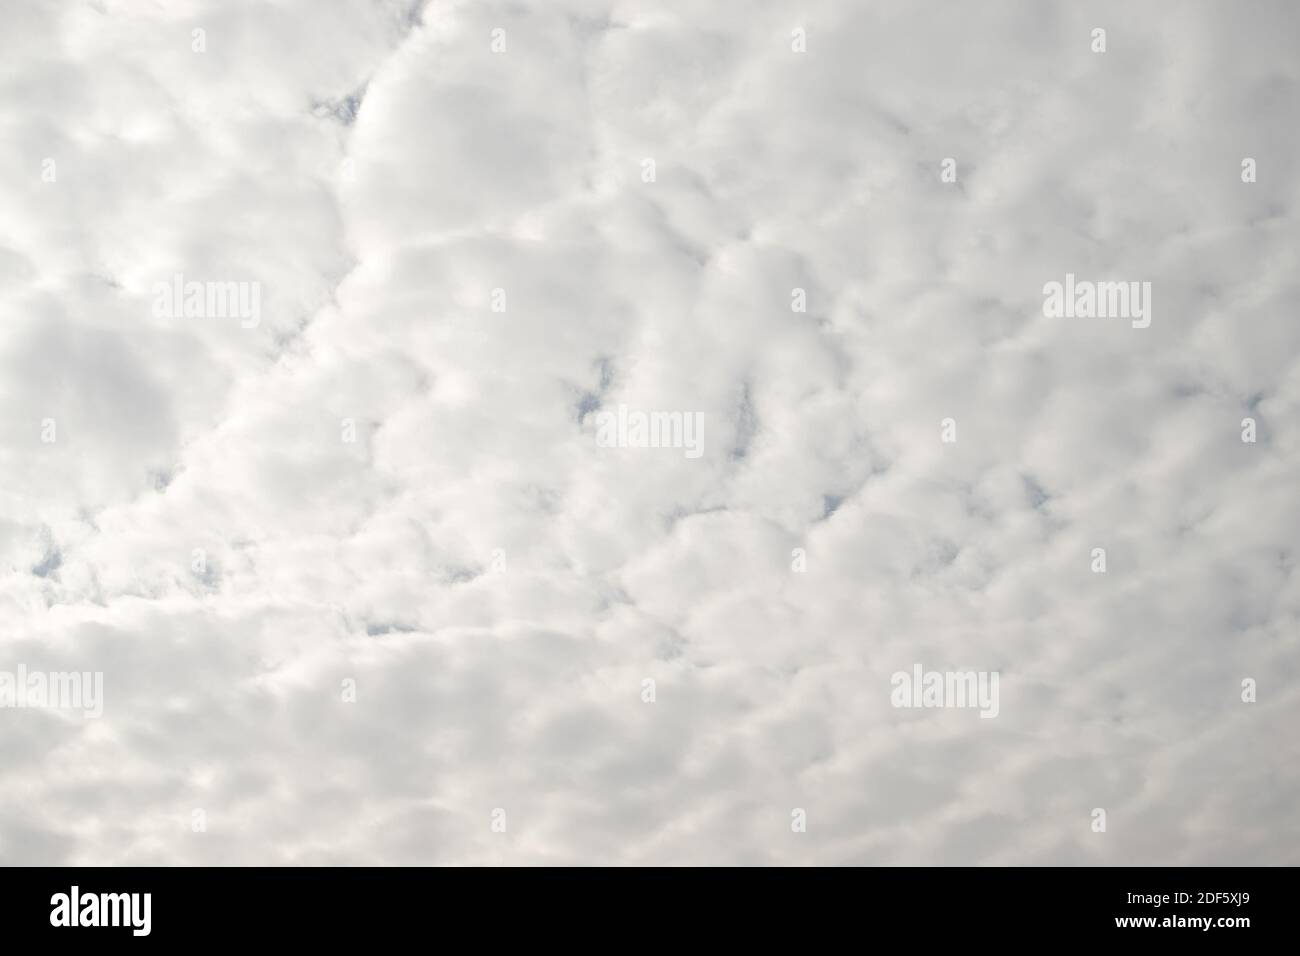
(771, 907)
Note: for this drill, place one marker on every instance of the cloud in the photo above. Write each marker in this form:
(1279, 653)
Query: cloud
(392, 487)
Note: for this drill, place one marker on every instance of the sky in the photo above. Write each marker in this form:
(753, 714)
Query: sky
(332, 338)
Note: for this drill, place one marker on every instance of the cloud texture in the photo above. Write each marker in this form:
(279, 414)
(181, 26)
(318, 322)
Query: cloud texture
(462, 264)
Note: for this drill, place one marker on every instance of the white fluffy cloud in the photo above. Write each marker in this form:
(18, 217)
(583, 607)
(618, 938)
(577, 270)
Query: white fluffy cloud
(462, 265)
